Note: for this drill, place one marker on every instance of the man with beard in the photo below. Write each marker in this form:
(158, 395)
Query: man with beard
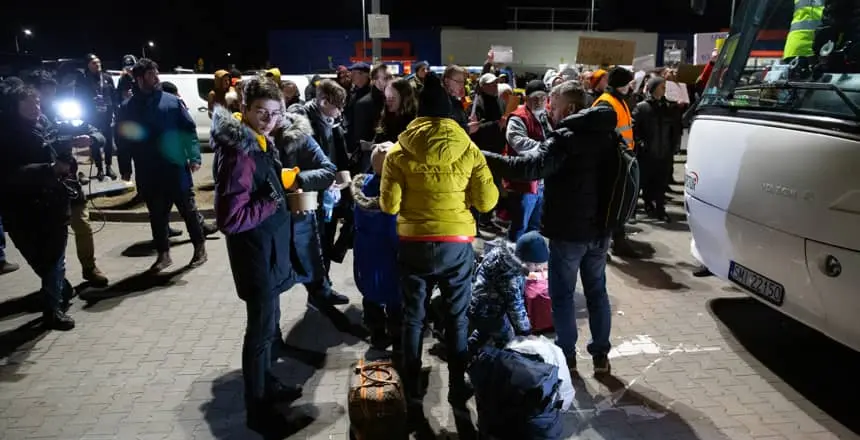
(162, 138)
(97, 93)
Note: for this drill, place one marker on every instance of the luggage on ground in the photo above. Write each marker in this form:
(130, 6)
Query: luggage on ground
(376, 402)
(517, 396)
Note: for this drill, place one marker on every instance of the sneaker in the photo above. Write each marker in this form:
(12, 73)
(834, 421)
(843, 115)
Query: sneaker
(161, 263)
(601, 364)
(57, 320)
(95, 277)
(337, 299)
(209, 228)
(7, 267)
(173, 232)
(199, 257)
(110, 173)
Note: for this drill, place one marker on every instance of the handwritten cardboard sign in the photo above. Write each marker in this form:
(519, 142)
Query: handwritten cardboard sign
(605, 51)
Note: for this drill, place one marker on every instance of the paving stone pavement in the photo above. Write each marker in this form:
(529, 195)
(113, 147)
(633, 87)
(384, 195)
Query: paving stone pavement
(161, 360)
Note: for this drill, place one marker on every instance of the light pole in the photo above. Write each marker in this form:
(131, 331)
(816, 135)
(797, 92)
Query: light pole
(363, 29)
(27, 33)
(149, 44)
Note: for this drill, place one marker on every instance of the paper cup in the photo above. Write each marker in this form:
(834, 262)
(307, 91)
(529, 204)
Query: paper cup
(288, 176)
(303, 201)
(343, 177)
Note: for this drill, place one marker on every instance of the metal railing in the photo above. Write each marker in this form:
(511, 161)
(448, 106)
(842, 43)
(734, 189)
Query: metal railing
(527, 17)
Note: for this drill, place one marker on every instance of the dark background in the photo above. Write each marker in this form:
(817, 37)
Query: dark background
(185, 30)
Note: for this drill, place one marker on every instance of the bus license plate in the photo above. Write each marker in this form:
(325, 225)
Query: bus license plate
(757, 284)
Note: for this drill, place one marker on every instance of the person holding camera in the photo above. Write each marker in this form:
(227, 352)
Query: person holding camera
(37, 184)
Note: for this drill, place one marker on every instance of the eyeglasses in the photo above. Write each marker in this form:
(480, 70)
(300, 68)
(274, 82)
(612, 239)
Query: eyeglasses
(264, 114)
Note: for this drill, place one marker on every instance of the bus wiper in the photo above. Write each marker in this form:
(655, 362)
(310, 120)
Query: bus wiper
(794, 85)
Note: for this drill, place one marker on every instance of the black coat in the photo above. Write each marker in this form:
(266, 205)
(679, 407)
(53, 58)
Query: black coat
(365, 115)
(657, 127)
(489, 111)
(332, 140)
(571, 162)
(88, 88)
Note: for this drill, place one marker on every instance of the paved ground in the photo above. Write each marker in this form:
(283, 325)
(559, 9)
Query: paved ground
(694, 359)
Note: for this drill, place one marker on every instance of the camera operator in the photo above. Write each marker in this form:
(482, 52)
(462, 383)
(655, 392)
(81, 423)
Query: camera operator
(37, 183)
(60, 127)
(97, 93)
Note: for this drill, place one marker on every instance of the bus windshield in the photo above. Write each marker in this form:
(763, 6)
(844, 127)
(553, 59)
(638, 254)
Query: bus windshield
(818, 73)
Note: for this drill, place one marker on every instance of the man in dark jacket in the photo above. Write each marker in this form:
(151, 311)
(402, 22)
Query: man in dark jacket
(37, 182)
(657, 131)
(485, 125)
(323, 112)
(159, 133)
(97, 94)
(572, 163)
(359, 76)
(365, 118)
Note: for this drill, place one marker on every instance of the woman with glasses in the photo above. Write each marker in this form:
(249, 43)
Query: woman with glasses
(252, 148)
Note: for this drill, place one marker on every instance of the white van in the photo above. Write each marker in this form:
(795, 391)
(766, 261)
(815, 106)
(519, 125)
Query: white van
(194, 89)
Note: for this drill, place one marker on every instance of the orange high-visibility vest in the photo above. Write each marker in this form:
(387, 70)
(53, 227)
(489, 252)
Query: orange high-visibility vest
(624, 122)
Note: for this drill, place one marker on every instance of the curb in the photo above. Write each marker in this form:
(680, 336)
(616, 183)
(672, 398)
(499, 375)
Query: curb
(111, 215)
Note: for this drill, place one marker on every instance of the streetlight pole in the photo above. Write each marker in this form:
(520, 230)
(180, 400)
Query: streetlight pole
(377, 43)
(27, 33)
(143, 49)
(363, 28)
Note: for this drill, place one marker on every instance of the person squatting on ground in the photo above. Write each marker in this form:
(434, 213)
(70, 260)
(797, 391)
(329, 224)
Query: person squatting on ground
(430, 180)
(266, 256)
(375, 259)
(498, 309)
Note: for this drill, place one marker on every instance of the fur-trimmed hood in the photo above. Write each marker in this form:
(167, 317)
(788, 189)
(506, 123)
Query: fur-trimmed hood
(229, 131)
(357, 190)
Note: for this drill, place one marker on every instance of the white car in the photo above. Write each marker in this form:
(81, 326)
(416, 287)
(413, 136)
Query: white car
(772, 185)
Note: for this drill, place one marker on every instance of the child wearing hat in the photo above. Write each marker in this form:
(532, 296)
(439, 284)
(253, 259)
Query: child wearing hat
(375, 260)
(498, 311)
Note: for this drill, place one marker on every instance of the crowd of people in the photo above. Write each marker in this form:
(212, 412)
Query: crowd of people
(426, 166)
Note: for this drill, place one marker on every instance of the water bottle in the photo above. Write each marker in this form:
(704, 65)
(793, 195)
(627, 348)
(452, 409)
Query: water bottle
(330, 198)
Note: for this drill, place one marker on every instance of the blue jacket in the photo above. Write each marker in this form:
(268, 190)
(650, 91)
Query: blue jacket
(499, 289)
(375, 249)
(157, 131)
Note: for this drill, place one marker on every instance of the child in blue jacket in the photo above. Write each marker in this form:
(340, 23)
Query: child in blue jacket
(375, 258)
(498, 309)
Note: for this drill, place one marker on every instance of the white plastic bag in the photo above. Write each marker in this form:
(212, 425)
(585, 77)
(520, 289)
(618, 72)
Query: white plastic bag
(551, 354)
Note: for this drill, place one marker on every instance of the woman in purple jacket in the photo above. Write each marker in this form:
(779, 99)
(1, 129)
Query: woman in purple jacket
(266, 244)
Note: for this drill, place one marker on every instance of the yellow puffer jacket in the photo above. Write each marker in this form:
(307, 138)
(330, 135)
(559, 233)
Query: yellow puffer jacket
(431, 177)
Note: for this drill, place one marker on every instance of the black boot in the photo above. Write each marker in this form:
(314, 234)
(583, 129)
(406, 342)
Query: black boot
(100, 173)
(110, 173)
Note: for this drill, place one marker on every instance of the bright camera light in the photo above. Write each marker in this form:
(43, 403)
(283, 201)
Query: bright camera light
(70, 110)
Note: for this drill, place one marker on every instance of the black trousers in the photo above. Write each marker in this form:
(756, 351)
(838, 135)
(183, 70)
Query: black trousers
(656, 176)
(96, 152)
(159, 204)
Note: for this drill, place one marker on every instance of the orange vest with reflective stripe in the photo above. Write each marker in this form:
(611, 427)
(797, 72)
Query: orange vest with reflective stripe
(624, 122)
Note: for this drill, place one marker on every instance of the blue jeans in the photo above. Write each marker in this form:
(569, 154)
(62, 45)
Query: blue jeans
(498, 330)
(264, 316)
(525, 212)
(589, 259)
(2, 242)
(424, 265)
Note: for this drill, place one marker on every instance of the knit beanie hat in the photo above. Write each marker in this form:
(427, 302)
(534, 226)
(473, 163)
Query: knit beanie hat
(433, 101)
(532, 248)
(653, 83)
(619, 77)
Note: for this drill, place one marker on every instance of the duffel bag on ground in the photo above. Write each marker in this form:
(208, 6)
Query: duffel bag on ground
(376, 403)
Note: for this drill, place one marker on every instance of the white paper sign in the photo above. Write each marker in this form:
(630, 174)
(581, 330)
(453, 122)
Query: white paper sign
(704, 44)
(677, 92)
(377, 26)
(647, 62)
(503, 54)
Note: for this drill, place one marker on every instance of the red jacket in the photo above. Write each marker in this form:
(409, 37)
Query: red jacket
(534, 131)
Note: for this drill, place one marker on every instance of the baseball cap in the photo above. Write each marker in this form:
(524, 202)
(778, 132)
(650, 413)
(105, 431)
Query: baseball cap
(487, 79)
(128, 61)
(535, 86)
(364, 67)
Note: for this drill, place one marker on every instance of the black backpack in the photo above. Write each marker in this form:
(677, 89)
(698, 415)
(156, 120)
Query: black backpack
(619, 189)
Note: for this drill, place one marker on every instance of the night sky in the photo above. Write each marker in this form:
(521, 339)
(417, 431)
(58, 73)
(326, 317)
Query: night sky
(184, 30)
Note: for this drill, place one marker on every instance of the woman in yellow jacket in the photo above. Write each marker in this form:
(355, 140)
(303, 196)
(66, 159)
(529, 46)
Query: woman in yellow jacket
(430, 180)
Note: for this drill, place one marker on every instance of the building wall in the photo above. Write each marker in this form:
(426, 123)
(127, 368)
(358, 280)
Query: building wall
(308, 51)
(531, 48)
